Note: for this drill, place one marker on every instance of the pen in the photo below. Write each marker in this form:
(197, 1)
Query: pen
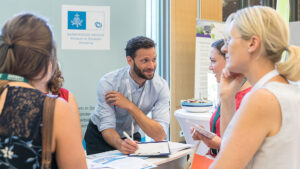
(127, 136)
(193, 132)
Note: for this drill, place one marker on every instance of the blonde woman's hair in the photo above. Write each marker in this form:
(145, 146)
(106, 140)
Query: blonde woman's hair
(273, 32)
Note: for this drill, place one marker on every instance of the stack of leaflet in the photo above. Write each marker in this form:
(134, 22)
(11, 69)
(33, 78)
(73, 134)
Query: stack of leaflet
(116, 161)
(138, 160)
(196, 105)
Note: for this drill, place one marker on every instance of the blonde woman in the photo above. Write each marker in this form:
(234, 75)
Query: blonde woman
(264, 133)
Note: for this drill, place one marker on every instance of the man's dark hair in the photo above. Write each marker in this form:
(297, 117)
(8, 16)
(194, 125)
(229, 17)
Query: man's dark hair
(218, 45)
(137, 43)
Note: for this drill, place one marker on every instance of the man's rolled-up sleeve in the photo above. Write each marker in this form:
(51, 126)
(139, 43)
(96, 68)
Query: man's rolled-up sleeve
(104, 116)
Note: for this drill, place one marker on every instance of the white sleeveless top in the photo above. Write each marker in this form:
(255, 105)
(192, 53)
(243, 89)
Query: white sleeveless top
(282, 151)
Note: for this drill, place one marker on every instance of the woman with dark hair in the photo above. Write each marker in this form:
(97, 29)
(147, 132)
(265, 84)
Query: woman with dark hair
(27, 57)
(217, 64)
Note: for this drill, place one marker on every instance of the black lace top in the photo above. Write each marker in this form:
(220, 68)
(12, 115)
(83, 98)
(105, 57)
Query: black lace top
(20, 129)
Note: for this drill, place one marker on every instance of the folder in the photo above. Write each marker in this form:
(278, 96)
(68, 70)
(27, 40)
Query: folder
(152, 149)
(201, 162)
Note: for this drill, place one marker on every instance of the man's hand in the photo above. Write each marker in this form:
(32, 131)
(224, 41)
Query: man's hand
(113, 138)
(114, 98)
(128, 146)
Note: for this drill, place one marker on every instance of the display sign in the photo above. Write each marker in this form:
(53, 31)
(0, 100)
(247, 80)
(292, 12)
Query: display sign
(85, 27)
(207, 33)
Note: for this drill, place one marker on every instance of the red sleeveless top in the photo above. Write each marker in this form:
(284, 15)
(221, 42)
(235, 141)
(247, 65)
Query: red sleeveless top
(64, 93)
(238, 99)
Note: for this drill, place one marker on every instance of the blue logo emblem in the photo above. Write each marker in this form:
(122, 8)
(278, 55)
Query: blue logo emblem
(77, 20)
(98, 25)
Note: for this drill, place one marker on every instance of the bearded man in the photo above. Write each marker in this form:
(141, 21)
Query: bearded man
(125, 97)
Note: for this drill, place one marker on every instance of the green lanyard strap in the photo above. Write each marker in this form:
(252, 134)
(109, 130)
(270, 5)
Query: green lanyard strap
(11, 77)
(213, 128)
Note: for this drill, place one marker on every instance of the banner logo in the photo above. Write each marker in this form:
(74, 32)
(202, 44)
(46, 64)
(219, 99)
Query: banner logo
(77, 20)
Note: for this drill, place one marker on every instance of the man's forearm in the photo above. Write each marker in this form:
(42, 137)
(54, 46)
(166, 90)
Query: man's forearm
(112, 138)
(151, 127)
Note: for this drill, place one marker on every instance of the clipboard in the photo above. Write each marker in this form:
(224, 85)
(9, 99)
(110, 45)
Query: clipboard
(152, 149)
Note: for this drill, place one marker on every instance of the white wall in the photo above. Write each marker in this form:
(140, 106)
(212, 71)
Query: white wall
(295, 36)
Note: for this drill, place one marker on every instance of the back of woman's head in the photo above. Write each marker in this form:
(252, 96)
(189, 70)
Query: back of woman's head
(27, 47)
(273, 32)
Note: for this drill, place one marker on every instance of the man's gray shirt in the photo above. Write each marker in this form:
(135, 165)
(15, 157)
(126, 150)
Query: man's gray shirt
(156, 100)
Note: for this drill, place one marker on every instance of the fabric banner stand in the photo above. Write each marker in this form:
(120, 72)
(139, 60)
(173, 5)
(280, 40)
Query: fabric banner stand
(205, 82)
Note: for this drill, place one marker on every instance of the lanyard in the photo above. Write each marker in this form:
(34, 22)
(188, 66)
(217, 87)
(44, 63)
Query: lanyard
(265, 79)
(140, 101)
(11, 77)
(213, 128)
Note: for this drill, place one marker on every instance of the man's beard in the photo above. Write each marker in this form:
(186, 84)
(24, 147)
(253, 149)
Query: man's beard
(140, 73)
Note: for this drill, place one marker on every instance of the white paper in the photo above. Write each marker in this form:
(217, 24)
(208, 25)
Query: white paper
(201, 130)
(175, 147)
(152, 149)
(130, 162)
(117, 162)
(204, 132)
